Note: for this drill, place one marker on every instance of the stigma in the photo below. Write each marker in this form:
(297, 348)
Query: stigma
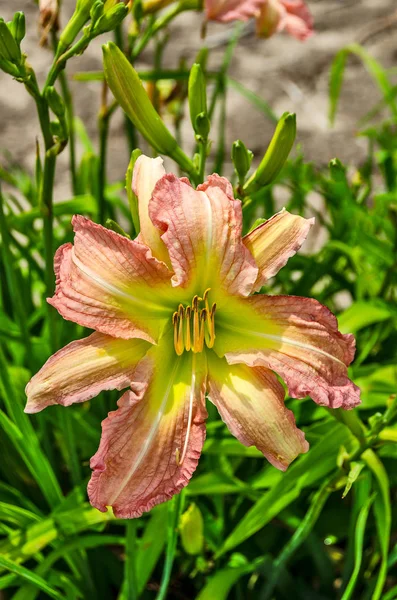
(194, 325)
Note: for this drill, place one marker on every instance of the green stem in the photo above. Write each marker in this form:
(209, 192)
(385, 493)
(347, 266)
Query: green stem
(175, 509)
(67, 97)
(46, 197)
(60, 60)
(220, 83)
(103, 126)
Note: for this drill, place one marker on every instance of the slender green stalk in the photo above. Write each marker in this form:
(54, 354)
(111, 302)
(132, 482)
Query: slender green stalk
(175, 509)
(220, 83)
(67, 97)
(103, 126)
(307, 524)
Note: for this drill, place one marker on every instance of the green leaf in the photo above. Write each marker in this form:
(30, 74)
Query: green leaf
(220, 584)
(382, 509)
(308, 469)
(27, 575)
(362, 314)
(358, 547)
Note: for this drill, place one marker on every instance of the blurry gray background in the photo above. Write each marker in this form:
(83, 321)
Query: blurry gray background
(288, 74)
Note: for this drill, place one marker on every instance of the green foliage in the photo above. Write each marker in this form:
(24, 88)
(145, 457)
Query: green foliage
(241, 529)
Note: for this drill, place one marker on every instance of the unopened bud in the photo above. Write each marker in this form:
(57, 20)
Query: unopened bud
(9, 49)
(55, 101)
(9, 67)
(129, 92)
(110, 19)
(75, 25)
(203, 125)
(96, 11)
(242, 158)
(18, 27)
(198, 99)
(276, 154)
(192, 530)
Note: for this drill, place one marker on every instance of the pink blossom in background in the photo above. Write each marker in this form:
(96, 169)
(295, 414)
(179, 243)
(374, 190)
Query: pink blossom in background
(272, 16)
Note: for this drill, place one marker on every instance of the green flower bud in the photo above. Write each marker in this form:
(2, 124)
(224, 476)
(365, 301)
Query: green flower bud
(96, 11)
(9, 67)
(128, 90)
(203, 125)
(9, 49)
(132, 199)
(242, 158)
(197, 98)
(192, 527)
(276, 154)
(337, 170)
(110, 19)
(17, 27)
(75, 25)
(55, 102)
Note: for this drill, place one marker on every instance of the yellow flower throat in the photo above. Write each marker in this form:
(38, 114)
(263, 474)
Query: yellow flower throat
(194, 325)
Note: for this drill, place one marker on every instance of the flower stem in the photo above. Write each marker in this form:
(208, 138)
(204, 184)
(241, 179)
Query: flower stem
(175, 509)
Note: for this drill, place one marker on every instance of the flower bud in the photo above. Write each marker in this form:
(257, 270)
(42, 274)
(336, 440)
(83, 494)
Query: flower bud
(276, 154)
(55, 102)
(75, 25)
(9, 50)
(242, 158)
(198, 100)
(129, 92)
(96, 11)
(18, 27)
(191, 527)
(203, 125)
(9, 67)
(110, 19)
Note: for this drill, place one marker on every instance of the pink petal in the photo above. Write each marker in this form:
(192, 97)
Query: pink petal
(275, 241)
(147, 172)
(110, 283)
(298, 338)
(84, 368)
(299, 21)
(232, 10)
(136, 466)
(202, 231)
(251, 403)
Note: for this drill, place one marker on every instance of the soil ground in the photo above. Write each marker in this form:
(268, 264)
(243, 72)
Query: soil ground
(288, 74)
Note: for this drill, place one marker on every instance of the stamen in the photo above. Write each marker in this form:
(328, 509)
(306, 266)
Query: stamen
(203, 318)
(187, 337)
(194, 327)
(205, 299)
(179, 461)
(211, 327)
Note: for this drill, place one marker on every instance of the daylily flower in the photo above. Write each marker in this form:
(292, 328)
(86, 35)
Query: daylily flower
(272, 16)
(176, 317)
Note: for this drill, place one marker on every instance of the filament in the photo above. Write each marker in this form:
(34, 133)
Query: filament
(194, 326)
(180, 459)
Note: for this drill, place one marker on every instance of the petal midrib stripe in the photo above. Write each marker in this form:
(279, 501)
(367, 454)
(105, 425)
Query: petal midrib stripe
(112, 288)
(153, 430)
(286, 340)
